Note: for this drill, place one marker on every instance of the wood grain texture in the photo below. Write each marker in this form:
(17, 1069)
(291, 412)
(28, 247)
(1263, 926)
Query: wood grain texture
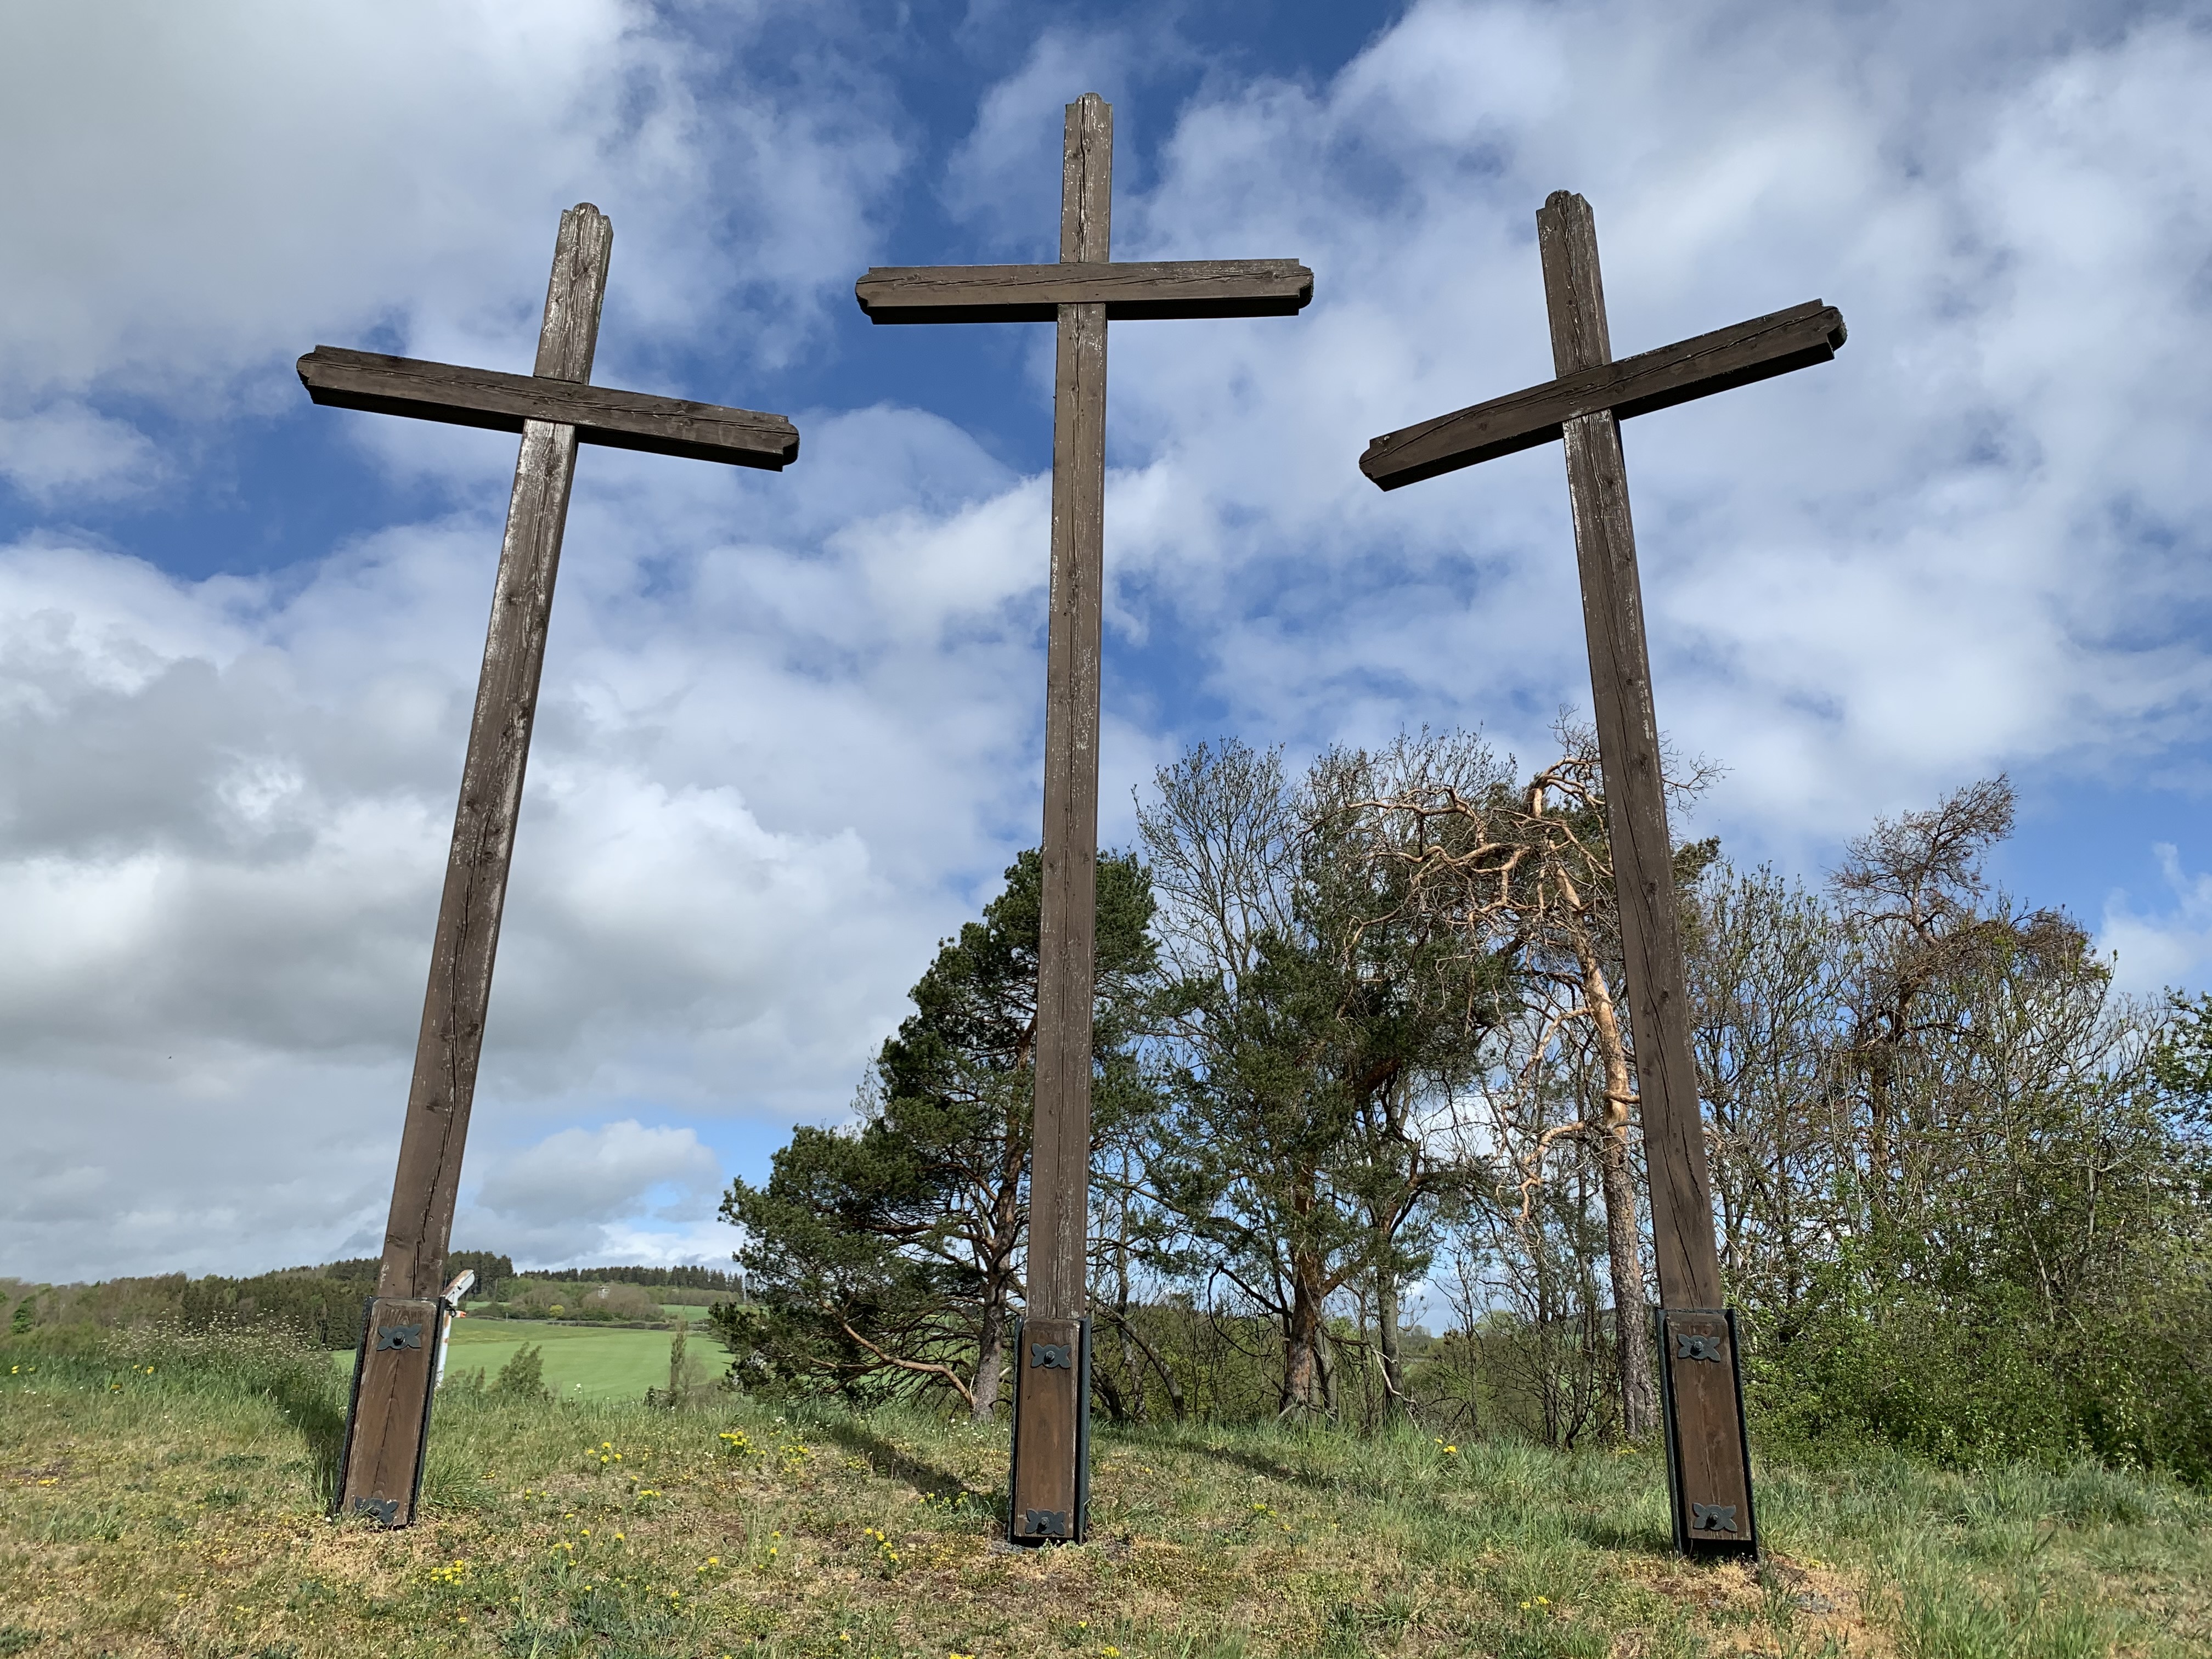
(505, 402)
(1059, 1179)
(391, 1405)
(1047, 1408)
(450, 1040)
(1628, 747)
(1131, 291)
(1712, 1486)
(1733, 356)
(575, 293)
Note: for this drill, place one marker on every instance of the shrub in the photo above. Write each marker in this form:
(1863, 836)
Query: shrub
(523, 1376)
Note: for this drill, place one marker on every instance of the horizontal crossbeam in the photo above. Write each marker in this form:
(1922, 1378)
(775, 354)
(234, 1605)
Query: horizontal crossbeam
(501, 403)
(1765, 346)
(1128, 288)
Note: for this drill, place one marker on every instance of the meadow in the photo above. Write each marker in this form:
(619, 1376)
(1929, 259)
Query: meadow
(167, 1496)
(582, 1361)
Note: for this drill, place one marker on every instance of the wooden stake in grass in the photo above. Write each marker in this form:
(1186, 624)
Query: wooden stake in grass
(1080, 295)
(554, 409)
(1708, 1460)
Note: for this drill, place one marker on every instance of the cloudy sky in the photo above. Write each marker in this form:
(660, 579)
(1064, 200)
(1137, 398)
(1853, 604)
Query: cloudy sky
(790, 723)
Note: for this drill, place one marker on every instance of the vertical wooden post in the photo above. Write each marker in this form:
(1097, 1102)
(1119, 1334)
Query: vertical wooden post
(385, 1428)
(1712, 1473)
(1047, 1475)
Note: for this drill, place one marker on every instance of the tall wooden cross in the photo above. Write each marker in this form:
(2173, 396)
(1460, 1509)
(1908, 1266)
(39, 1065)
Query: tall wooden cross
(554, 409)
(1708, 1461)
(1080, 294)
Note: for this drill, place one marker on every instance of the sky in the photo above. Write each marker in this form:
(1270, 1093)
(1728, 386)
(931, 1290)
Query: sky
(791, 725)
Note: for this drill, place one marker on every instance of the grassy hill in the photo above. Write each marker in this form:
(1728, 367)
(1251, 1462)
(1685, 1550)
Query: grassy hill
(179, 1512)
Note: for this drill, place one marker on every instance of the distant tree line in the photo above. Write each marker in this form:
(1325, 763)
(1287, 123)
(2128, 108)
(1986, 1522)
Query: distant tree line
(688, 1279)
(322, 1304)
(1361, 1034)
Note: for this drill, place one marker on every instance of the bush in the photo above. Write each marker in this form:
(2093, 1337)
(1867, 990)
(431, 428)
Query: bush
(523, 1376)
(615, 1303)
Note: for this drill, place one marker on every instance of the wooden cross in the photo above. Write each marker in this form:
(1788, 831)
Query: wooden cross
(1080, 294)
(1708, 1461)
(554, 409)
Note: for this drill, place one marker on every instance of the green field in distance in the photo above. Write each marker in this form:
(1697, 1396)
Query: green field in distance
(581, 1363)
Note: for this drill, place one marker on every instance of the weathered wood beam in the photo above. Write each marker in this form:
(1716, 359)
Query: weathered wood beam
(505, 402)
(1737, 355)
(1129, 289)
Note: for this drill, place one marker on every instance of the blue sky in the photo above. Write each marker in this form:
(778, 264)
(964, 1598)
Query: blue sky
(790, 724)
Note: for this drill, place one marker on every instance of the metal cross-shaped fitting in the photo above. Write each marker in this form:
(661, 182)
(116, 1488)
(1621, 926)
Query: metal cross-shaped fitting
(398, 1336)
(1712, 1517)
(1045, 1523)
(1697, 1347)
(385, 1510)
(1050, 1354)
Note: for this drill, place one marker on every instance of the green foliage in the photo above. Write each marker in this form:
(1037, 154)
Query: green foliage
(615, 1304)
(1310, 1019)
(1968, 1193)
(885, 1259)
(523, 1375)
(679, 1277)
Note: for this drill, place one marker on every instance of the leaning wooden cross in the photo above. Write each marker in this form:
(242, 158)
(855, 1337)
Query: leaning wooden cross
(554, 409)
(1708, 1461)
(1081, 294)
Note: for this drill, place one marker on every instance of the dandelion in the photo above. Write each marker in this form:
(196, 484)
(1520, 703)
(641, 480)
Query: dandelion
(1451, 1451)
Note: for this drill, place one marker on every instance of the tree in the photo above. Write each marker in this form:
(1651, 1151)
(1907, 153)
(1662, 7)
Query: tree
(887, 1256)
(1524, 874)
(1306, 1039)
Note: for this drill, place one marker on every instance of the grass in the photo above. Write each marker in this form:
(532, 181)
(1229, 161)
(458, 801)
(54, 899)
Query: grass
(179, 1512)
(581, 1363)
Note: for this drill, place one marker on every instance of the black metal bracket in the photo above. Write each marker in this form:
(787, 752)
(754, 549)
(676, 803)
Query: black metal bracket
(1713, 1517)
(379, 1337)
(1044, 1523)
(1705, 1528)
(1053, 1525)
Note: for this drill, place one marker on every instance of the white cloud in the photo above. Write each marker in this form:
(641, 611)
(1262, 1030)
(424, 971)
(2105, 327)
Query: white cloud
(764, 778)
(69, 452)
(209, 191)
(564, 1200)
(790, 724)
(2154, 950)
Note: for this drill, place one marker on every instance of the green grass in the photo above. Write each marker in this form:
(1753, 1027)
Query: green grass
(180, 1512)
(581, 1363)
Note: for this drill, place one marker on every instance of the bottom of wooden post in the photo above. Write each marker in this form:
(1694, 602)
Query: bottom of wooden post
(1048, 1486)
(387, 1435)
(1708, 1453)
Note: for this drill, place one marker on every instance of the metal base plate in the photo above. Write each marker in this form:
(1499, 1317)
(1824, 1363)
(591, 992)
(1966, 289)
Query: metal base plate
(1708, 1455)
(1048, 1487)
(388, 1420)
